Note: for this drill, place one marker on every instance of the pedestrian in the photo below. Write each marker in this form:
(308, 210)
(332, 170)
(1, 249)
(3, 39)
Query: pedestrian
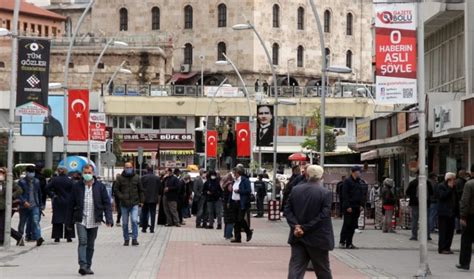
(229, 220)
(257, 84)
(310, 240)
(199, 199)
(265, 87)
(295, 173)
(339, 194)
(151, 184)
(467, 223)
(461, 179)
(39, 166)
(117, 200)
(388, 203)
(213, 193)
(433, 209)
(30, 205)
(170, 199)
(374, 196)
(261, 192)
(352, 199)
(180, 201)
(241, 204)
(412, 194)
(59, 189)
(447, 212)
(161, 208)
(187, 190)
(89, 202)
(16, 192)
(130, 192)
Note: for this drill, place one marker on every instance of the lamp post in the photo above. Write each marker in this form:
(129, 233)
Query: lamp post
(247, 26)
(202, 57)
(228, 61)
(288, 69)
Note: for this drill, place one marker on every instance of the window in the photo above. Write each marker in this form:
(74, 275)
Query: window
(54, 31)
(147, 122)
(155, 18)
(101, 65)
(328, 55)
(336, 122)
(222, 15)
(33, 28)
(188, 54)
(173, 122)
(25, 26)
(300, 57)
(123, 19)
(300, 18)
(327, 21)
(46, 31)
(349, 59)
(276, 50)
(39, 30)
(349, 24)
(276, 16)
(221, 48)
(188, 17)
(2, 64)
(8, 24)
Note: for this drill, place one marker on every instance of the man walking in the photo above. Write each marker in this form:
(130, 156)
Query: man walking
(467, 223)
(352, 200)
(213, 191)
(199, 199)
(88, 204)
(412, 194)
(261, 191)
(308, 213)
(130, 192)
(170, 199)
(152, 190)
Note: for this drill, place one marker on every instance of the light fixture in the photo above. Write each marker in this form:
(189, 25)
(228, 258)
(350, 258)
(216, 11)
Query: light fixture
(55, 85)
(125, 71)
(242, 26)
(4, 32)
(222, 63)
(286, 102)
(339, 69)
(120, 43)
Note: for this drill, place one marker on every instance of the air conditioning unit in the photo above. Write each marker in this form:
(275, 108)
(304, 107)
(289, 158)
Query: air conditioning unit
(185, 68)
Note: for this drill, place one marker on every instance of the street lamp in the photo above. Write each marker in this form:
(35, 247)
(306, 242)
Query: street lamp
(249, 26)
(5, 32)
(288, 69)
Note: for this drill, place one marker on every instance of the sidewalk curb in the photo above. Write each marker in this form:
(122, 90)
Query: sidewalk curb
(358, 264)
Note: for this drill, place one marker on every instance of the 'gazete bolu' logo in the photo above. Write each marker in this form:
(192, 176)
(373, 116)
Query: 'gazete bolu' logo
(396, 17)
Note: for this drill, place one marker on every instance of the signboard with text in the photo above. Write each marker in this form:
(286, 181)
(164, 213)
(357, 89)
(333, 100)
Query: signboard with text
(97, 131)
(156, 137)
(395, 44)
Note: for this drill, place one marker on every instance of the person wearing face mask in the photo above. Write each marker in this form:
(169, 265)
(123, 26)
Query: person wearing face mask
(213, 192)
(30, 204)
(16, 193)
(199, 199)
(170, 199)
(130, 192)
(88, 204)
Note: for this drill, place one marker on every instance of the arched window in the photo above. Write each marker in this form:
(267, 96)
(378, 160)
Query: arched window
(349, 24)
(300, 18)
(349, 59)
(155, 18)
(275, 52)
(188, 54)
(327, 21)
(276, 16)
(221, 48)
(188, 17)
(123, 19)
(300, 57)
(222, 15)
(328, 56)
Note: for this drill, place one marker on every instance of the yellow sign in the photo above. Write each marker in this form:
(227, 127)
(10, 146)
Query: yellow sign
(363, 132)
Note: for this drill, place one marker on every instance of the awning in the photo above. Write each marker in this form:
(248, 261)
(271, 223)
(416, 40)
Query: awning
(382, 153)
(181, 76)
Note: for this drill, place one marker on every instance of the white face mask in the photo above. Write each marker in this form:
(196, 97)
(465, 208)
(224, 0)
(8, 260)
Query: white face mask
(213, 177)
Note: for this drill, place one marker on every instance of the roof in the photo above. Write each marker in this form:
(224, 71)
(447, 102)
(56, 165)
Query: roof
(30, 9)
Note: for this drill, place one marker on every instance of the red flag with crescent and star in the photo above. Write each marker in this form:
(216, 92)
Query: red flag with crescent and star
(242, 130)
(78, 115)
(211, 143)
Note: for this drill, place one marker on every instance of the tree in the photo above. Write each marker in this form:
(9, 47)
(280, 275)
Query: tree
(313, 136)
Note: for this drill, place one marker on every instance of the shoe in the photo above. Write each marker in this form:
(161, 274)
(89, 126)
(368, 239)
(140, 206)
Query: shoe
(83, 271)
(152, 231)
(143, 231)
(413, 238)
(446, 252)
(249, 235)
(118, 224)
(134, 242)
(198, 226)
(39, 241)
(167, 225)
(210, 227)
(342, 246)
(351, 247)
(219, 227)
(20, 242)
(236, 241)
(126, 243)
(182, 223)
(56, 240)
(177, 225)
(69, 240)
(429, 238)
(465, 267)
(89, 271)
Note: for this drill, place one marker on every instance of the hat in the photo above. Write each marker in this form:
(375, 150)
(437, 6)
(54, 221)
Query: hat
(314, 171)
(356, 168)
(388, 182)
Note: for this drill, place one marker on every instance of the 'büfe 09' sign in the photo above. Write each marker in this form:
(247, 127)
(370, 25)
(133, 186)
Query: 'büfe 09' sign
(395, 44)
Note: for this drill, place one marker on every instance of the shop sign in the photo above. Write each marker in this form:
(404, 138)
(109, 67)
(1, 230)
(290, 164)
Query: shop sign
(363, 132)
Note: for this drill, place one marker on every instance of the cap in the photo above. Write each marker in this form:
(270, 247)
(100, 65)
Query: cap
(356, 168)
(314, 171)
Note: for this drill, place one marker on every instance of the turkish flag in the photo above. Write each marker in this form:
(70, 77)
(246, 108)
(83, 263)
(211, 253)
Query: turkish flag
(211, 143)
(78, 115)
(242, 130)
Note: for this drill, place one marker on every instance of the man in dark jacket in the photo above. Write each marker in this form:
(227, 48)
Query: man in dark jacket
(130, 192)
(339, 194)
(17, 191)
(308, 213)
(199, 199)
(467, 222)
(352, 200)
(170, 199)
(89, 202)
(213, 191)
(295, 173)
(261, 190)
(461, 180)
(151, 184)
(59, 190)
(447, 212)
(412, 194)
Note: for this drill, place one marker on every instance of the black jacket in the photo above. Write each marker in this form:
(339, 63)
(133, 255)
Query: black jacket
(352, 193)
(309, 205)
(151, 188)
(267, 139)
(412, 192)
(102, 204)
(172, 183)
(128, 189)
(59, 189)
(388, 197)
(212, 186)
(448, 205)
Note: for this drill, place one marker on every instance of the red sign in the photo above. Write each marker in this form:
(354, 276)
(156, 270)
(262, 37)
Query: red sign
(78, 114)
(242, 131)
(97, 127)
(211, 143)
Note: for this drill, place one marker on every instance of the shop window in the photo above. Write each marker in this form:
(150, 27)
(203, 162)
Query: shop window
(147, 122)
(173, 122)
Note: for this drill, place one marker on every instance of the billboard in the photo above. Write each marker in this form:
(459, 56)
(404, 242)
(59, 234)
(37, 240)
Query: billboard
(395, 47)
(97, 131)
(34, 125)
(265, 122)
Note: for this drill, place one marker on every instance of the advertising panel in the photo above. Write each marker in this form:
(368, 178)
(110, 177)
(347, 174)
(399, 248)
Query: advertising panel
(36, 126)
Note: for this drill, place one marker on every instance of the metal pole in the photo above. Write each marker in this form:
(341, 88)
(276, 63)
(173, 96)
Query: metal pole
(48, 156)
(11, 125)
(202, 74)
(207, 121)
(424, 268)
(275, 112)
(66, 73)
(322, 111)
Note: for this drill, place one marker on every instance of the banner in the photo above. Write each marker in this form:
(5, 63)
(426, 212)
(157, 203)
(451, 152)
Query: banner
(49, 126)
(395, 47)
(33, 77)
(242, 130)
(78, 115)
(265, 126)
(211, 143)
(97, 131)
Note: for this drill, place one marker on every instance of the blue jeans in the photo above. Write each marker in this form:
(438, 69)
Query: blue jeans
(228, 229)
(85, 249)
(133, 213)
(433, 217)
(30, 216)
